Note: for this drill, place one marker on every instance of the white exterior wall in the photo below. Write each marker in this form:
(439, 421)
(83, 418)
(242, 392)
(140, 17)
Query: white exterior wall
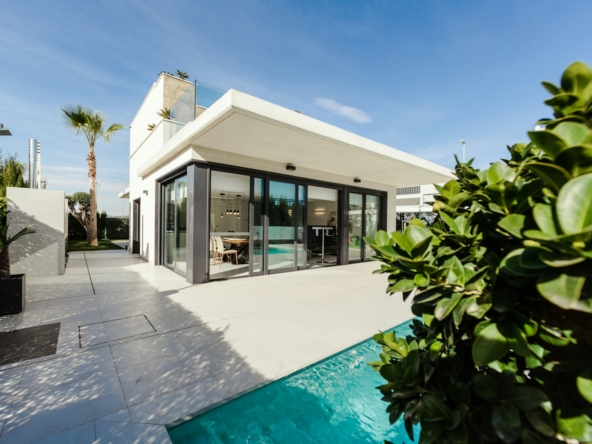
(425, 196)
(42, 253)
(146, 114)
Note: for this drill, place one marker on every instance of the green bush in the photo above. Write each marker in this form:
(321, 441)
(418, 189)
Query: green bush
(501, 284)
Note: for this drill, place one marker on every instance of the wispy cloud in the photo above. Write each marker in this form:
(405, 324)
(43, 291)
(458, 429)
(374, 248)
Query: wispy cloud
(355, 114)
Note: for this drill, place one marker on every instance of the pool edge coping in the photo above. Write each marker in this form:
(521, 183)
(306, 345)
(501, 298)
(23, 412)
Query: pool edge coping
(231, 398)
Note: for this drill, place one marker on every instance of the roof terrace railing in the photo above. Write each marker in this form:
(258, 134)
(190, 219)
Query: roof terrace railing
(195, 95)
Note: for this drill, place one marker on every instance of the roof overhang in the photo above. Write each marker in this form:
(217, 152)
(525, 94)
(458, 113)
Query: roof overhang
(242, 125)
(124, 194)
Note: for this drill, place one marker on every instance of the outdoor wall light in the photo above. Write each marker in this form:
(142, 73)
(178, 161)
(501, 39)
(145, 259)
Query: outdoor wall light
(356, 180)
(290, 167)
(145, 192)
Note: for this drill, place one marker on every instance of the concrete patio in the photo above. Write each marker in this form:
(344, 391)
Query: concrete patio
(139, 348)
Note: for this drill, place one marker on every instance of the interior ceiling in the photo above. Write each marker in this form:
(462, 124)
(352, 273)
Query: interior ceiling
(250, 136)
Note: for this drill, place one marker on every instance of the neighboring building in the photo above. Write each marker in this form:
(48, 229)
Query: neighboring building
(233, 185)
(415, 201)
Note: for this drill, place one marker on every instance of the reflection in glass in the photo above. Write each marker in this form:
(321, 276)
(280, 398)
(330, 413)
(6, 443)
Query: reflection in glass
(300, 219)
(229, 225)
(282, 198)
(175, 224)
(181, 224)
(356, 202)
(322, 226)
(257, 233)
(169, 223)
(372, 215)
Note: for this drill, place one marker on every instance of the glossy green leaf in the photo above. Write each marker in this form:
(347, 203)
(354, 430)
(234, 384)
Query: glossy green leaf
(574, 205)
(516, 338)
(421, 280)
(551, 88)
(575, 425)
(403, 241)
(573, 133)
(403, 285)
(490, 345)
(559, 260)
(548, 141)
(543, 216)
(498, 172)
(561, 289)
(541, 421)
(456, 272)
(584, 383)
(577, 160)
(450, 222)
(530, 258)
(576, 78)
(527, 398)
(513, 224)
(421, 247)
(417, 222)
(554, 176)
(437, 410)
(382, 238)
(445, 306)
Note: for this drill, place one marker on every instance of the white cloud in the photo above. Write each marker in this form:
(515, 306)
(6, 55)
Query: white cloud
(355, 114)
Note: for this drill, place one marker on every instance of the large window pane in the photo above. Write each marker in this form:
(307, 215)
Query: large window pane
(300, 222)
(181, 224)
(169, 224)
(356, 203)
(258, 237)
(229, 225)
(372, 215)
(322, 229)
(282, 199)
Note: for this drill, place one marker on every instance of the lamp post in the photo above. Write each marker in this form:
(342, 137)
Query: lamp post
(463, 144)
(4, 131)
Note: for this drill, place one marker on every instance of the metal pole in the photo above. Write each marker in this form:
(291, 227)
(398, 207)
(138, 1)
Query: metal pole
(463, 145)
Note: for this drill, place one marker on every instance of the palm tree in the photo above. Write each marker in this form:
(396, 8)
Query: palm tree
(182, 75)
(91, 123)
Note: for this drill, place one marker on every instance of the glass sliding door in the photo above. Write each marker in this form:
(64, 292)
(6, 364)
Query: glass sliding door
(322, 240)
(180, 247)
(355, 226)
(301, 254)
(175, 224)
(230, 235)
(372, 221)
(281, 251)
(257, 232)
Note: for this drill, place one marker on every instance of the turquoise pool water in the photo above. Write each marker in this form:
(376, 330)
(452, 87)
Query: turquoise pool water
(332, 401)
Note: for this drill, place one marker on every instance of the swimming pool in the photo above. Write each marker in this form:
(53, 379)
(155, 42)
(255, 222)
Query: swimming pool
(332, 401)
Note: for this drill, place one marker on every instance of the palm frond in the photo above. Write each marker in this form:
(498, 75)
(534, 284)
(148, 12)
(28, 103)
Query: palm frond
(111, 130)
(23, 232)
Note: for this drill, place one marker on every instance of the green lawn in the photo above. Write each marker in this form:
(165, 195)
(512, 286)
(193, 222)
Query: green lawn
(80, 245)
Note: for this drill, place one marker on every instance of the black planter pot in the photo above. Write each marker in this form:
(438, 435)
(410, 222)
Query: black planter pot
(12, 294)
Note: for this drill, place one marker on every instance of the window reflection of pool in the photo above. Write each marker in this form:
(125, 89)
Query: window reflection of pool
(332, 401)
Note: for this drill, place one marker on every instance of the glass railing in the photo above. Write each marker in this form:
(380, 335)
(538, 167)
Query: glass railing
(170, 128)
(207, 94)
(192, 96)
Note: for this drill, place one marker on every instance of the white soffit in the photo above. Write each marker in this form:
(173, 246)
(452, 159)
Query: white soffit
(248, 126)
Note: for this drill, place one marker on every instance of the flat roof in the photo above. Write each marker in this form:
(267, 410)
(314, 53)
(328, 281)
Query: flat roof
(244, 125)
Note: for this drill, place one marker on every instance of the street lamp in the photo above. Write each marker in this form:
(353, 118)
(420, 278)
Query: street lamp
(4, 131)
(463, 144)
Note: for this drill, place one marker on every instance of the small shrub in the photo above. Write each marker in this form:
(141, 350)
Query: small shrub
(502, 288)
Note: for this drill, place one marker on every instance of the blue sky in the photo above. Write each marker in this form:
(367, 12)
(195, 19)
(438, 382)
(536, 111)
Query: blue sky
(415, 75)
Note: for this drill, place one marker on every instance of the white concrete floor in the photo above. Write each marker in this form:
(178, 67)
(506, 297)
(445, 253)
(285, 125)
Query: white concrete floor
(139, 347)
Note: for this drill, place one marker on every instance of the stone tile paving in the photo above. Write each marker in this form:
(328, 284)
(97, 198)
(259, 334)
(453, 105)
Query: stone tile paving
(139, 348)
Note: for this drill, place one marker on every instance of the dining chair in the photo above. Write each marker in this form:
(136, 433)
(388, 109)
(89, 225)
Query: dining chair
(221, 252)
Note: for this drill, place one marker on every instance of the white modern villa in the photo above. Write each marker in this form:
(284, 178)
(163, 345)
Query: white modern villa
(234, 186)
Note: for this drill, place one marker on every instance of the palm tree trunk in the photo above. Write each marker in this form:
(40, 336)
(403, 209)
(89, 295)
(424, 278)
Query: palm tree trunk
(92, 179)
